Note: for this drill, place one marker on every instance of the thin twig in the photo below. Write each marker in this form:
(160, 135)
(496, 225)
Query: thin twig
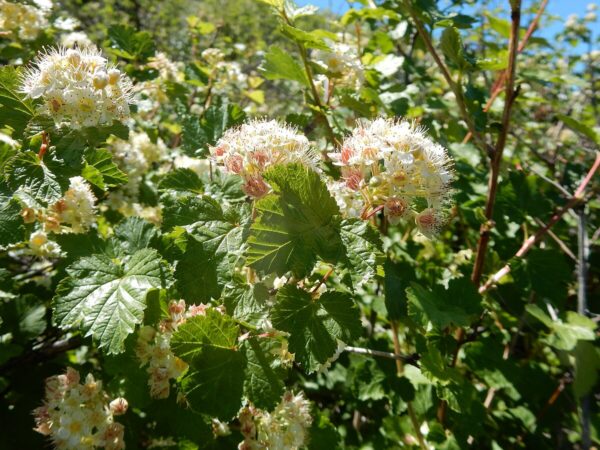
(534, 239)
(582, 261)
(484, 235)
(558, 241)
(409, 407)
(407, 359)
(455, 87)
(499, 83)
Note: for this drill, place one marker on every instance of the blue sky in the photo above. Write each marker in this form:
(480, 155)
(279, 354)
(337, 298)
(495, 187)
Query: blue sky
(560, 8)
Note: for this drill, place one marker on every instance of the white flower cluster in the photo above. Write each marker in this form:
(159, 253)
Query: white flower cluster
(135, 157)
(76, 416)
(78, 86)
(41, 246)
(75, 212)
(342, 64)
(77, 208)
(393, 165)
(26, 20)
(225, 74)
(154, 348)
(285, 428)
(255, 146)
(167, 69)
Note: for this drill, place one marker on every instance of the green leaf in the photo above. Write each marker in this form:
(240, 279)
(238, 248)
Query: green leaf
(16, 110)
(200, 132)
(295, 225)
(181, 180)
(580, 127)
(310, 39)
(107, 297)
(315, 325)
(452, 47)
(280, 65)
(100, 170)
(216, 240)
(363, 250)
(264, 374)
(457, 305)
(397, 280)
(215, 380)
(189, 209)
(28, 173)
(134, 234)
(247, 302)
(587, 367)
(565, 334)
(11, 224)
(130, 44)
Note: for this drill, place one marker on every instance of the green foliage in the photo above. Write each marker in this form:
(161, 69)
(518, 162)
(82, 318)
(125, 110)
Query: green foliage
(243, 301)
(295, 225)
(107, 297)
(315, 325)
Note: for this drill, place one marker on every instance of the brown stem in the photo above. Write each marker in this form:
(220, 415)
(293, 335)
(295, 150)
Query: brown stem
(323, 280)
(400, 370)
(534, 239)
(313, 89)
(44, 146)
(484, 234)
(499, 83)
(455, 87)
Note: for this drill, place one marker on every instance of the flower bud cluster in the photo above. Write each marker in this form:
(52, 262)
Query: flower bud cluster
(342, 64)
(26, 20)
(78, 86)
(284, 428)
(154, 347)
(392, 165)
(77, 416)
(249, 150)
(75, 212)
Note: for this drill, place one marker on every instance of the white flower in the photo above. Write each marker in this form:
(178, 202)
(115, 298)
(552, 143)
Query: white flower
(253, 147)
(28, 21)
(78, 87)
(75, 39)
(76, 416)
(392, 165)
(342, 63)
(284, 428)
(135, 157)
(77, 208)
(39, 245)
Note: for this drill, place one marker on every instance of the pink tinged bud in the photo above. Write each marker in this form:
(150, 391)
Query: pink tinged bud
(255, 187)
(119, 406)
(176, 307)
(353, 178)
(427, 222)
(260, 158)
(346, 154)
(395, 209)
(197, 310)
(234, 164)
